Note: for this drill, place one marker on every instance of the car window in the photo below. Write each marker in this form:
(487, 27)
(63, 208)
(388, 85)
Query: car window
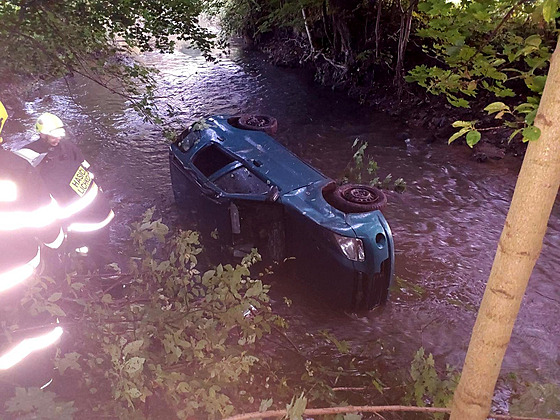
(242, 181)
(211, 159)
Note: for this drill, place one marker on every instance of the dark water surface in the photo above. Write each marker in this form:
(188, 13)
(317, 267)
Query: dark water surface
(446, 226)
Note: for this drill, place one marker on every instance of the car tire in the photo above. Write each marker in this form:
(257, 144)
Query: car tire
(355, 198)
(258, 123)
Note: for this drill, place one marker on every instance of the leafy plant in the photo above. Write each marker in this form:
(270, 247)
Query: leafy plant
(505, 54)
(178, 339)
(363, 169)
(428, 388)
(34, 403)
(96, 39)
(542, 400)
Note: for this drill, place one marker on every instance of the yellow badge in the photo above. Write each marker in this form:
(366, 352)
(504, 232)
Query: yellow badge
(81, 181)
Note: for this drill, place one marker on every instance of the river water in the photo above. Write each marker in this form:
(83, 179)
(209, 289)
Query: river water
(446, 225)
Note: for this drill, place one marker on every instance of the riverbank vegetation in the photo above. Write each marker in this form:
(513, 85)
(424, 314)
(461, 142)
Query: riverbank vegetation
(45, 40)
(482, 64)
(163, 337)
(486, 58)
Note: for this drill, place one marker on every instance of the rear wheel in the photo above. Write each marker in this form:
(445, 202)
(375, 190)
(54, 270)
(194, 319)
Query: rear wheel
(258, 123)
(355, 198)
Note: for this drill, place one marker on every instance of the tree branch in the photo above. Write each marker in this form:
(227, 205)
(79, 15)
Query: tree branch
(365, 409)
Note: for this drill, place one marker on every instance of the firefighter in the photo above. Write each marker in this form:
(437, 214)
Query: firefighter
(84, 208)
(28, 222)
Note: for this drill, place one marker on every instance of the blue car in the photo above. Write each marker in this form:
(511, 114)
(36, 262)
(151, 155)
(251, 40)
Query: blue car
(254, 192)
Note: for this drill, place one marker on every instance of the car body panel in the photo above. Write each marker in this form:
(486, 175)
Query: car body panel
(252, 189)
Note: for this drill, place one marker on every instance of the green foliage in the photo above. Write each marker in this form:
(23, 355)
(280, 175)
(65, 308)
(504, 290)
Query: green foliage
(296, 407)
(487, 46)
(467, 128)
(184, 338)
(363, 169)
(428, 389)
(247, 16)
(54, 39)
(34, 403)
(538, 400)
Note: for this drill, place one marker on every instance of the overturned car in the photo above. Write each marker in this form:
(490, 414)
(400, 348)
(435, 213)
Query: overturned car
(236, 178)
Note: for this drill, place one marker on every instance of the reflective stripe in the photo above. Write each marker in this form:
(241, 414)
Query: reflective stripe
(82, 203)
(28, 346)
(91, 227)
(83, 250)
(8, 191)
(39, 218)
(58, 241)
(19, 274)
(44, 216)
(33, 157)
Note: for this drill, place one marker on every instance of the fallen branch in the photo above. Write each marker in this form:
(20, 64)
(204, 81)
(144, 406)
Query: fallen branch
(365, 409)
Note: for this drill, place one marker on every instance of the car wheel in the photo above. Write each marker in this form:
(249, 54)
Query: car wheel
(258, 123)
(355, 198)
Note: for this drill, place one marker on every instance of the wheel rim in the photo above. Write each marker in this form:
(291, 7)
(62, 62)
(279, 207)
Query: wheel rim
(360, 196)
(257, 121)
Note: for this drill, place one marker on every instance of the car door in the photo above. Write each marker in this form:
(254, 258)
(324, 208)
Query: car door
(231, 198)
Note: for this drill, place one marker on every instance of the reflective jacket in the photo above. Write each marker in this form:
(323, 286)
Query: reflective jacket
(66, 174)
(28, 218)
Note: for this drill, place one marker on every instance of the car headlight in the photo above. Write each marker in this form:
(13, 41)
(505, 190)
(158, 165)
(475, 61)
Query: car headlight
(353, 248)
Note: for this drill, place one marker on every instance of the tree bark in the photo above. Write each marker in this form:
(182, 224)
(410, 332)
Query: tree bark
(518, 249)
(307, 30)
(377, 24)
(406, 24)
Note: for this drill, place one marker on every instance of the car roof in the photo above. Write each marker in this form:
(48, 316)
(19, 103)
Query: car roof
(274, 162)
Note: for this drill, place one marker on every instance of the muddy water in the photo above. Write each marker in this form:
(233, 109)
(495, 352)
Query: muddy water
(446, 226)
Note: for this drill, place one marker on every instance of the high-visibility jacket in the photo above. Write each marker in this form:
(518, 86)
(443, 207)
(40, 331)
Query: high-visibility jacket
(29, 219)
(67, 175)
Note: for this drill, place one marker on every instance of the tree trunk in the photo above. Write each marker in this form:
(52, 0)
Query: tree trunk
(406, 24)
(377, 23)
(307, 30)
(518, 250)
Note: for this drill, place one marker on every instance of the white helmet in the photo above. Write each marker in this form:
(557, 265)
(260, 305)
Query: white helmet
(50, 125)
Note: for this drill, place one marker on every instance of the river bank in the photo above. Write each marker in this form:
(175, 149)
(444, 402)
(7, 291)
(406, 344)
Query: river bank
(374, 87)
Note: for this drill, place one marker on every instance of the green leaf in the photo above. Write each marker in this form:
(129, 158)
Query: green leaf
(525, 108)
(69, 361)
(550, 8)
(473, 137)
(536, 83)
(107, 298)
(531, 133)
(496, 107)
(54, 297)
(530, 117)
(515, 133)
(458, 134)
(297, 407)
(133, 347)
(533, 41)
(265, 404)
(134, 364)
(458, 102)
(54, 309)
(457, 124)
